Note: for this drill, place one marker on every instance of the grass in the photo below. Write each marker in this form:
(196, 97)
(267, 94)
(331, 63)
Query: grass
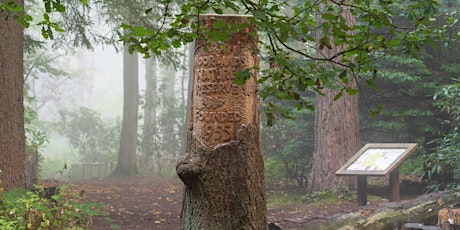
(318, 199)
(284, 199)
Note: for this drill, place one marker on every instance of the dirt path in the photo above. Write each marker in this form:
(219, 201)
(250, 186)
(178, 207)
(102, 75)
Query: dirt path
(136, 202)
(144, 203)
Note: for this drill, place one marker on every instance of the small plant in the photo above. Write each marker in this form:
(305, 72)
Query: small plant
(316, 196)
(24, 209)
(346, 194)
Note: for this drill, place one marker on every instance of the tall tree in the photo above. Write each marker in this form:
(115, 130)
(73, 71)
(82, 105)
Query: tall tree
(134, 12)
(186, 85)
(148, 145)
(12, 135)
(127, 160)
(336, 119)
(169, 118)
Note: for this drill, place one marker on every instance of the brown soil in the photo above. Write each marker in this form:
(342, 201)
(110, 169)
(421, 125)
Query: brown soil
(142, 203)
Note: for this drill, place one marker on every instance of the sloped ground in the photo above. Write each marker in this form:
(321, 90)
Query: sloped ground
(143, 203)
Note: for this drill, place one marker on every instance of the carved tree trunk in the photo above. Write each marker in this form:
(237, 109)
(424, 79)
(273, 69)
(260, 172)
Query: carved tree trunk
(127, 164)
(12, 136)
(223, 166)
(336, 128)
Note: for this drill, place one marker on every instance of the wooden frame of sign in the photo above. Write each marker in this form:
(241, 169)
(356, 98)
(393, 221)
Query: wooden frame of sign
(377, 159)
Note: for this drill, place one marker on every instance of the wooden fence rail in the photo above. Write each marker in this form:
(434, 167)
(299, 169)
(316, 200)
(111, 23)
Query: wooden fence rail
(92, 170)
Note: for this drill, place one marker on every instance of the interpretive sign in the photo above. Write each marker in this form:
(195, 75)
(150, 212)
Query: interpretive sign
(377, 159)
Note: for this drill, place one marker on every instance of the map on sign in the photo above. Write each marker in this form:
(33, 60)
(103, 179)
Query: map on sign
(376, 159)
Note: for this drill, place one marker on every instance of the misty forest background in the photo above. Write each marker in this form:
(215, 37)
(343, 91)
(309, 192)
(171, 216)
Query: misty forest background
(74, 103)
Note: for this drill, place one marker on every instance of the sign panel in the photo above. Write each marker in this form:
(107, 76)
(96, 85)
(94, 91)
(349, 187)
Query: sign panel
(377, 159)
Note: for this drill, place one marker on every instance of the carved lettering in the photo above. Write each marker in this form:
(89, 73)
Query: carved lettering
(218, 132)
(218, 88)
(220, 61)
(220, 106)
(218, 116)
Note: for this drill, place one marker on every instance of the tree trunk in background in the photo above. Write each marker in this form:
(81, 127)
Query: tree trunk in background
(169, 118)
(149, 129)
(186, 95)
(223, 167)
(336, 129)
(128, 142)
(12, 135)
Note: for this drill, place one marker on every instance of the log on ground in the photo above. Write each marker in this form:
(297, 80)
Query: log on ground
(390, 215)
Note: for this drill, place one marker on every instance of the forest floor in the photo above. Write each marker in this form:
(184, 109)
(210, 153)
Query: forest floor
(143, 203)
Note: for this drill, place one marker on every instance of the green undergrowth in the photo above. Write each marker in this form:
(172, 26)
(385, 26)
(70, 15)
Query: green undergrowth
(25, 209)
(317, 199)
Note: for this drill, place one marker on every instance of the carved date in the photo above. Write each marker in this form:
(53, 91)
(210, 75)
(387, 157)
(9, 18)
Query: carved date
(218, 132)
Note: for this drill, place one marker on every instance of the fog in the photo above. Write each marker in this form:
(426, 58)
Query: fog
(95, 81)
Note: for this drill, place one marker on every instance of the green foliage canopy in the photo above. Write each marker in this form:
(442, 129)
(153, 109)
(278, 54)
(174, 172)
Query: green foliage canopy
(289, 37)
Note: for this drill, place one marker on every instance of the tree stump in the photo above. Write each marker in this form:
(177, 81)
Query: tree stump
(223, 166)
(31, 168)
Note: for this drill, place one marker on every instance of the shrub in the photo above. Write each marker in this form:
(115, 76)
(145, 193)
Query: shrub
(24, 209)
(442, 164)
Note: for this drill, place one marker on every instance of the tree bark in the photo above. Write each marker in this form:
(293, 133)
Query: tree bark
(186, 94)
(223, 166)
(127, 164)
(336, 128)
(149, 128)
(12, 135)
(168, 118)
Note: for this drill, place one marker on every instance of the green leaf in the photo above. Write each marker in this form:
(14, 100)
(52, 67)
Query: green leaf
(352, 91)
(141, 31)
(58, 29)
(325, 41)
(46, 17)
(394, 43)
(329, 17)
(218, 10)
(242, 76)
(218, 36)
(270, 118)
(219, 24)
(44, 33)
(343, 74)
(50, 33)
(59, 7)
(338, 95)
(47, 6)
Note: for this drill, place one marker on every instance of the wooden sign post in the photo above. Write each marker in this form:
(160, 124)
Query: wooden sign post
(377, 160)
